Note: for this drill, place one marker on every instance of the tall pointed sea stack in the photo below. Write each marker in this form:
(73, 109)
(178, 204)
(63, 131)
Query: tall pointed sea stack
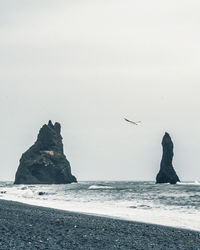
(167, 173)
(45, 162)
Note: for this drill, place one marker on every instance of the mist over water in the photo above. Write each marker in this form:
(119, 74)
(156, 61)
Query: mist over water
(171, 205)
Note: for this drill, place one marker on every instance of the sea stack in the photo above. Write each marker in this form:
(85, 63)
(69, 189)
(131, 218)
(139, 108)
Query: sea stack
(45, 162)
(167, 173)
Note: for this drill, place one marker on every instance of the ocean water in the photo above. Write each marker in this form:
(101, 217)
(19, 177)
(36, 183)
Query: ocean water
(165, 204)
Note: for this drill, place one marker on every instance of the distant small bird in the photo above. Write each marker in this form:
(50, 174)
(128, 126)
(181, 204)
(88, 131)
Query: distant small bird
(135, 123)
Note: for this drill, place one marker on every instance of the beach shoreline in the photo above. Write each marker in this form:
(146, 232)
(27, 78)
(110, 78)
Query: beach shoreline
(26, 226)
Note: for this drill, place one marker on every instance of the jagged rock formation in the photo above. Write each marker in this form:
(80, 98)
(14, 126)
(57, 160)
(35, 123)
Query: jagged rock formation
(45, 162)
(167, 173)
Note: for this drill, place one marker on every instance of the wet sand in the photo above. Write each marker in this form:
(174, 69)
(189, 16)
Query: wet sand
(31, 227)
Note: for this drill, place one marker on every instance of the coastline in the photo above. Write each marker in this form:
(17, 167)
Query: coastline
(26, 226)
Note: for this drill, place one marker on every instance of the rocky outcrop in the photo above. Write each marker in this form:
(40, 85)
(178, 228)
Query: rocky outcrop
(167, 173)
(45, 162)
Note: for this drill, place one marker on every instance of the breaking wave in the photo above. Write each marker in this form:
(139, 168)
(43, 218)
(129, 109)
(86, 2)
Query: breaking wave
(99, 187)
(196, 182)
(170, 205)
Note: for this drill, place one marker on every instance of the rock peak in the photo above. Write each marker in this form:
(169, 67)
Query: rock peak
(167, 134)
(50, 124)
(167, 173)
(166, 138)
(45, 162)
(49, 137)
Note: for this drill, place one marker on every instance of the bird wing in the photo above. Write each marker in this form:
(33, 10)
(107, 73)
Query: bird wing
(130, 121)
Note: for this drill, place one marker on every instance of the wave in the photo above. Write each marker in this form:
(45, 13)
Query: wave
(196, 182)
(99, 187)
(174, 205)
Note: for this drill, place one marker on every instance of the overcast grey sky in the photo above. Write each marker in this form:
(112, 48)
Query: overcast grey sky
(87, 64)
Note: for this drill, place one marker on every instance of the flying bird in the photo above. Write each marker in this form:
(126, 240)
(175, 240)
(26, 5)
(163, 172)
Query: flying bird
(135, 123)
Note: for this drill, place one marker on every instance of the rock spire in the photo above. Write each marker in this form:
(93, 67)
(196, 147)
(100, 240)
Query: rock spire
(167, 173)
(45, 162)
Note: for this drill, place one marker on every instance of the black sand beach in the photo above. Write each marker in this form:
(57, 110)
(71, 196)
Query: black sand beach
(30, 227)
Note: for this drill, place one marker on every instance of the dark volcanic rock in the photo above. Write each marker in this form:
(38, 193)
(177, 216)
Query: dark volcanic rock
(41, 193)
(167, 173)
(45, 162)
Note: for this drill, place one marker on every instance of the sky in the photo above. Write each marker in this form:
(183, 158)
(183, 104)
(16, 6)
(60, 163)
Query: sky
(88, 64)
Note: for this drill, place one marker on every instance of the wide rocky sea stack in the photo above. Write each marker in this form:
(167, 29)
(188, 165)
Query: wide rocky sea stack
(167, 173)
(45, 162)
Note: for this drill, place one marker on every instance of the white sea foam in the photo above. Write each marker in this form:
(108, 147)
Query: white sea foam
(99, 187)
(170, 205)
(196, 182)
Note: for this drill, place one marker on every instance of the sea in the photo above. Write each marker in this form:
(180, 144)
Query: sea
(144, 201)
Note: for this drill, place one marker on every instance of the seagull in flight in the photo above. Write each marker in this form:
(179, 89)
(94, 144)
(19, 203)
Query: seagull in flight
(135, 123)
